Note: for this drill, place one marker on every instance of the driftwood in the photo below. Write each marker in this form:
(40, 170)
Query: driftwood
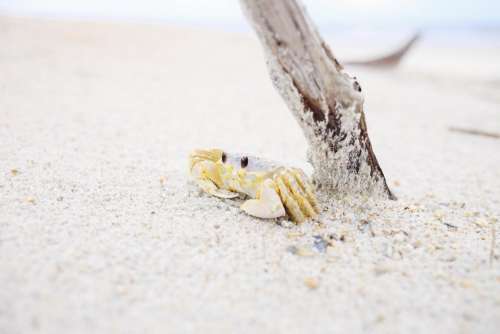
(326, 101)
(475, 132)
(391, 60)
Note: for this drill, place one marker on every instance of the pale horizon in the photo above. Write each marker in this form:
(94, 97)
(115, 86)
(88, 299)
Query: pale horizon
(227, 13)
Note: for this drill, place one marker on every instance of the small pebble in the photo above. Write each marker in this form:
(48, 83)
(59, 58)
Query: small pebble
(311, 283)
(471, 214)
(286, 223)
(293, 235)
(121, 290)
(381, 270)
(320, 244)
(481, 222)
(300, 251)
(439, 215)
(417, 244)
(412, 208)
(466, 284)
(449, 258)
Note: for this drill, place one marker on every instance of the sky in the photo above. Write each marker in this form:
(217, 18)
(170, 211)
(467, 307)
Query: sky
(349, 13)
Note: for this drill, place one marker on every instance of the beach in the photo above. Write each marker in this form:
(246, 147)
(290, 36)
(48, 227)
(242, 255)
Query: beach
(102, 231)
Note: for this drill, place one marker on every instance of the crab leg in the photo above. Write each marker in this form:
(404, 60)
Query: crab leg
(268, 203)
(291, 205)
(298, 194)
(306, 188)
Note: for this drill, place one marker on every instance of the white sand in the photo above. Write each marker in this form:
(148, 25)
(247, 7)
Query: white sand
(93, 116)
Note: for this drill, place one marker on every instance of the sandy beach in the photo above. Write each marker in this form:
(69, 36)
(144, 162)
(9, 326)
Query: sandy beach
(101, 230)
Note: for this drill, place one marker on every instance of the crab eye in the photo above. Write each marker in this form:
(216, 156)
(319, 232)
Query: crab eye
(244, 162)
(224, 157)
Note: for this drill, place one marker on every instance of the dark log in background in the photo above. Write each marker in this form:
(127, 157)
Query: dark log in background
(391, 60)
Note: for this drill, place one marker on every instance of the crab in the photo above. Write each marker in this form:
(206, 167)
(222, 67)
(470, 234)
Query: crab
(273, 191)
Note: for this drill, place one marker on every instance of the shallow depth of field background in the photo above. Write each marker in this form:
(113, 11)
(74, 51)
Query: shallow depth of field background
(356, 29)
(395, 13)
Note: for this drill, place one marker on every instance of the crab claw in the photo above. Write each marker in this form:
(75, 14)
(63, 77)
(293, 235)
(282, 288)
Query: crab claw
(207, 177)
(210, 188)
(267, 205)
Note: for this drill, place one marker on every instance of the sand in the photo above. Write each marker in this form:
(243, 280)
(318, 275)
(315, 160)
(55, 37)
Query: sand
(102, 232)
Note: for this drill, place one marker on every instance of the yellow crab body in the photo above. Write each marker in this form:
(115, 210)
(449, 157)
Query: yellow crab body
(273, 190)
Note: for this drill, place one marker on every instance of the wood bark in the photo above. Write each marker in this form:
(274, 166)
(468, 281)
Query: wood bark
(326, 101)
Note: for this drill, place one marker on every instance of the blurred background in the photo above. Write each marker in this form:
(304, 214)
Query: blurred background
(378, 26)
(479, 14)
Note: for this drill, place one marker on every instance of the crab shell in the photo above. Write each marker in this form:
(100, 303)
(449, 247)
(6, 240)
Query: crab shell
(273, 190)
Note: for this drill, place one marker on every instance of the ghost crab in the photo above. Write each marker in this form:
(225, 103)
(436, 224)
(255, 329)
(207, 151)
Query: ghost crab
(273, 190)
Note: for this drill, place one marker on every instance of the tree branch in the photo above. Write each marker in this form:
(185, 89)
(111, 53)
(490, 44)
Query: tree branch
(327, 102)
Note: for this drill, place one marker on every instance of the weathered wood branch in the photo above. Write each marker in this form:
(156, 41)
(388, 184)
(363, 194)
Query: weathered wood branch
(327, 102)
